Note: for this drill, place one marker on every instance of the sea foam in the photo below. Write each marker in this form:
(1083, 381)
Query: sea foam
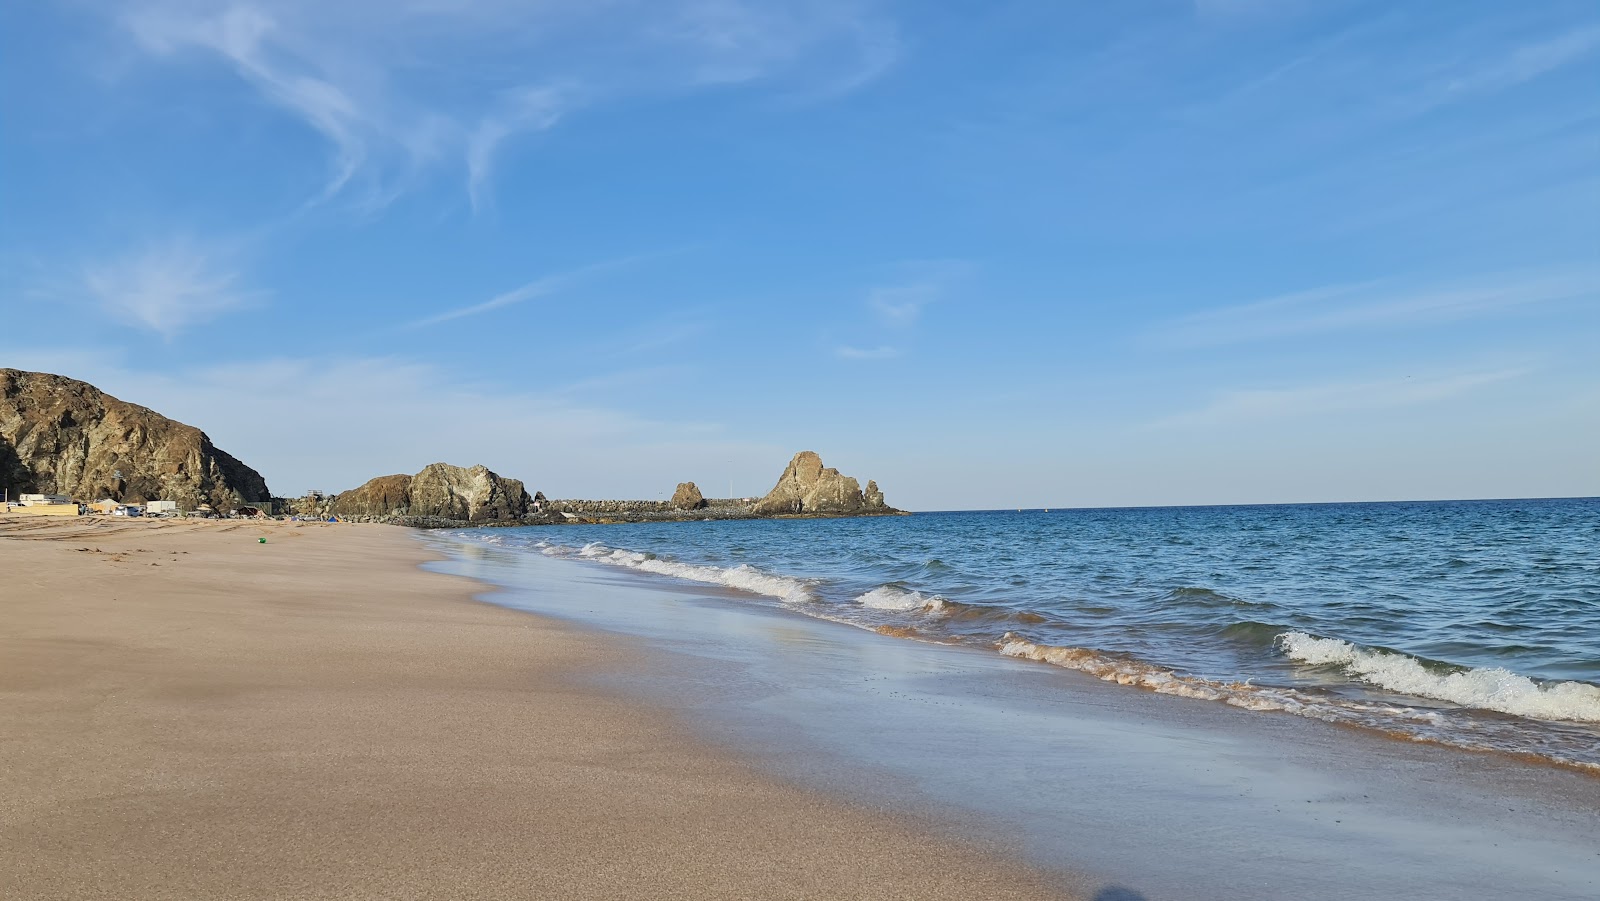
(1486, 688)
(896, 598)
(743, 577)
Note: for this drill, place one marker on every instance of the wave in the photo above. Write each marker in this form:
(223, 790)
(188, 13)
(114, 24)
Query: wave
(1129, 671)
(1569, 710)
(899, 598)
(743, 577)
(1487, 688)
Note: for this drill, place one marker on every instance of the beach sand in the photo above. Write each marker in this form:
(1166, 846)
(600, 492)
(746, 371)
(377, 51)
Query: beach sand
(186, 712)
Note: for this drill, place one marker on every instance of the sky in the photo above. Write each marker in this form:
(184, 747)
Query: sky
(990, 254)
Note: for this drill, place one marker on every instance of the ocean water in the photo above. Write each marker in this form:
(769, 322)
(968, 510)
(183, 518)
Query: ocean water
(1474, 624)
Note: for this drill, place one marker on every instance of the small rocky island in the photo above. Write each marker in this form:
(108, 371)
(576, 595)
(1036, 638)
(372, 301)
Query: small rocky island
(66, 438)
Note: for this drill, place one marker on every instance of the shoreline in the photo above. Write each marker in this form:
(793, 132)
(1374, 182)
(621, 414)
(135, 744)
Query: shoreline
(195, 714)
(1198, 800)
(919, 611)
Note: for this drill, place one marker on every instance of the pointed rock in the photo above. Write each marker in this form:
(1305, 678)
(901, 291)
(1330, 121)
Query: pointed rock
(688, 497)
(807, 486)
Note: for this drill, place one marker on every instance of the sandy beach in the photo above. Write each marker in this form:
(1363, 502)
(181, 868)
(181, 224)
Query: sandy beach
(188, 712)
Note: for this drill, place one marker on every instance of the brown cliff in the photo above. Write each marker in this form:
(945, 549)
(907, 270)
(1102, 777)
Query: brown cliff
(63, 436)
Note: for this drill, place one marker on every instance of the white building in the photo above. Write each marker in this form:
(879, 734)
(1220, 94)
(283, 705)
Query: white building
(155, 508)
(29, 500)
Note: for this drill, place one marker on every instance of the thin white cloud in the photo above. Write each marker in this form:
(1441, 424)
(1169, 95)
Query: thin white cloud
(264, 54)
(899, 304)
(1377, 304)
(166, 288)
(400, 88)
(1525, 62)
(1334, 397)
(539, 287)
(527, 109)
(881, 352)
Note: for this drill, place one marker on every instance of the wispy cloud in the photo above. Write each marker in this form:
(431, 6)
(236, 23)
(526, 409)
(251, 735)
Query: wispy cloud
(1332, 397)
(399, 88)
(1522, 63)
(527, 109)
(900, 303)
(267, 56)
(539, 287)
(165, 288)
(1376, 304)
(882, 352)
(897, 304)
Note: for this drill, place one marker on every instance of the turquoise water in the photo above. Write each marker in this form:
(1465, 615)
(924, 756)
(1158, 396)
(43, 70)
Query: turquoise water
(1475, 624)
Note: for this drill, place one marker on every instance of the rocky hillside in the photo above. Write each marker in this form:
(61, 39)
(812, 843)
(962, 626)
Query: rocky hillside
(807, 487)
(439, 490)
(63, 436)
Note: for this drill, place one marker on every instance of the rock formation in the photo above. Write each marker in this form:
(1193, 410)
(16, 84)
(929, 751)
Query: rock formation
(63, 436)
(872, 498)
(382, 496)
(806, 486)
(439, 490)
(688, 497)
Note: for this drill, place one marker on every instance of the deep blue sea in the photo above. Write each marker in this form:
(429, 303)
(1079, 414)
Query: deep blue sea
(1473, 623)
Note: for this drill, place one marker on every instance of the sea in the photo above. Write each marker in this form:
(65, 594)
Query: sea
(1473, 624)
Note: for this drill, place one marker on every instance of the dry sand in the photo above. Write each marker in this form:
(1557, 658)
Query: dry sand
(188, 713)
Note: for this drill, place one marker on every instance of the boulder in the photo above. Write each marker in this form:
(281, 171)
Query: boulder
(441, 491)
(473, 494)
(63, 436)
(382, 496)
(807, 486)
(688, 497)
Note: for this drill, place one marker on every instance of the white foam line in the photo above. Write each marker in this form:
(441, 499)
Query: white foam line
(1487, 688)
(743, 577)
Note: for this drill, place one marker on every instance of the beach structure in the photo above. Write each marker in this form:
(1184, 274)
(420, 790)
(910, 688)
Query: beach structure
(104, 507)
(67, 509)
(40, 500)
(157, 508)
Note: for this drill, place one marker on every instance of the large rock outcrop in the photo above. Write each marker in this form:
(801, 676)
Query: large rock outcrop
(63, 436)
(688, 497)
(473, 494)
(806, 486)
(382, 496)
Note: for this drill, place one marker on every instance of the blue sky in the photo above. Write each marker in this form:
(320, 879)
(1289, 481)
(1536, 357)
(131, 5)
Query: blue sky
(990, 254)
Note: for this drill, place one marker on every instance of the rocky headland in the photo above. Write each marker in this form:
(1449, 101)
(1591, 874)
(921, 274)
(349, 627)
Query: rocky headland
(63, 436)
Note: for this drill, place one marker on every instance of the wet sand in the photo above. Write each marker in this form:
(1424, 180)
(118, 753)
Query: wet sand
(1172, 798)
(188, 713)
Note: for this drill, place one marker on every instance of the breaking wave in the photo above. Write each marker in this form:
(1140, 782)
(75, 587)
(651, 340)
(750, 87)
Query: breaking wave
(1482, 707)
(1491, 688)
(743, 577)
(895, 597)
(1129, 671)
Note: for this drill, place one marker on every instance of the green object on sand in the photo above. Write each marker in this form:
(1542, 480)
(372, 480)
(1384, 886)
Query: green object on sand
(262, 540)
